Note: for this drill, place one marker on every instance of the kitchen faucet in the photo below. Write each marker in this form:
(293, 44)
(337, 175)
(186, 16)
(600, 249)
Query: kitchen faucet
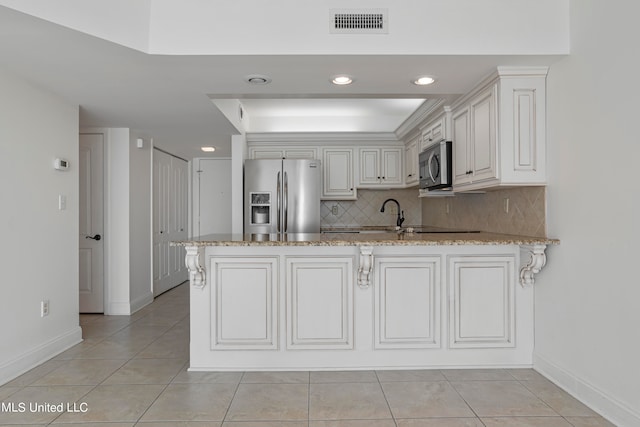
(400, 218)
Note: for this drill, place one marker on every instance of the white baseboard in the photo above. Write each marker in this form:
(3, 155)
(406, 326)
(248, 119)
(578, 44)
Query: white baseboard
(596, 399)
(119, 309)
(127, 308)
(141, 302)
(39, 354)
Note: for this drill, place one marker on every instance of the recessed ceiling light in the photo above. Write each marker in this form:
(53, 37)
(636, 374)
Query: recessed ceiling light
(342, 80)
(257, 79)
(208, 149)
(423, 80)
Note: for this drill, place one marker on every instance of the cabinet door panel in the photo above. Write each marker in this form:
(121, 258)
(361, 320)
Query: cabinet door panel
(460, 137)
(319, 303)
(407, 309)
(337, 178)
(369, 167)
(244, 294)
(482, 305)
(483, 135)
(392, 166)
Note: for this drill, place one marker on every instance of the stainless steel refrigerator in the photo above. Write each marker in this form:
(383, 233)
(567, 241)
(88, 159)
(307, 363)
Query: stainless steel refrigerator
(282, 196)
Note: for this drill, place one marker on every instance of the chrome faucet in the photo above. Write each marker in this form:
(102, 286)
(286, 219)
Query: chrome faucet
(400, 218)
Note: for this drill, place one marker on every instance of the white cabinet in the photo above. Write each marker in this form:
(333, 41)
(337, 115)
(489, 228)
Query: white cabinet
(498, 131)
(338, 174)
(380, 167)
(319, 303)
(411, 162)
(244, 302)
(436, 130)
(407, 302)
(276, 152)
(290, 307)
(474, 139)
(481, 306)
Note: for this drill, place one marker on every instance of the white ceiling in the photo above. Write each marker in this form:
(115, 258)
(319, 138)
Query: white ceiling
(169, 98)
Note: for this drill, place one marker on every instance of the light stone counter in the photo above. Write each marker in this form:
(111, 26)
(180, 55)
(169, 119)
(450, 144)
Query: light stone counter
(368, 238)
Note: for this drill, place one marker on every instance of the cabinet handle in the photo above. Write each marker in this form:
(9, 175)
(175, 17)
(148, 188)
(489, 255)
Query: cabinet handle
(378, 177)
(384, 177)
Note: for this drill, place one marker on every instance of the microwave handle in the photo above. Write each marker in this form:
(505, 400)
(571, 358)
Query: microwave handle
(431, 158)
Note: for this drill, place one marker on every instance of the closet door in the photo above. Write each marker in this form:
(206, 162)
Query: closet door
(169, 220)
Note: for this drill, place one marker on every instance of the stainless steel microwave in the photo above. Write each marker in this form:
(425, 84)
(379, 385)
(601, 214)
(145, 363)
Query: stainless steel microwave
(435, 166)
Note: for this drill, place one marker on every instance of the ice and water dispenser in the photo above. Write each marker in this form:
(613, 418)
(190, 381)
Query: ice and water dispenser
(260, 208)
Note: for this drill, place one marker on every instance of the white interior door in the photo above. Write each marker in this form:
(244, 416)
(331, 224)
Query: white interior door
(91, 166)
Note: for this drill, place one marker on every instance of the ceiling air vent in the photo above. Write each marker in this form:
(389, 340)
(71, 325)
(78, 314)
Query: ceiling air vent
(358, 21)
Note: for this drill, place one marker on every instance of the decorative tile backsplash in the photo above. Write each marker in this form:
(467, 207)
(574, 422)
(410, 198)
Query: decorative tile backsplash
(488, 211)
(366, 210)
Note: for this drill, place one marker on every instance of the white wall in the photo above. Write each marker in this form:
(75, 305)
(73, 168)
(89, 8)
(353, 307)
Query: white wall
(39, 250)
(140, 217)
(124, 22)
(588, 298)
(116, 237)
(202, 27)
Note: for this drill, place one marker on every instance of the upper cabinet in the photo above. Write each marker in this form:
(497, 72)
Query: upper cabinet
(498, 131)
(380, 167)
(411, 162)
(337, 177)
(436, 130)
(283, 153)
(474, 136)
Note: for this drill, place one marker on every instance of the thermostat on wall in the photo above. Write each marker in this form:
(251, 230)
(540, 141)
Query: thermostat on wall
(61, 164)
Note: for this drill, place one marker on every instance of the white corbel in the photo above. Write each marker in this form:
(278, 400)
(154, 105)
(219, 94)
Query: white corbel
(532, 259)
(366, 266)
(197, 275)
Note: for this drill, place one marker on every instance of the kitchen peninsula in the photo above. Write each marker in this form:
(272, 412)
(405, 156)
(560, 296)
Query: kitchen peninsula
(362, 299)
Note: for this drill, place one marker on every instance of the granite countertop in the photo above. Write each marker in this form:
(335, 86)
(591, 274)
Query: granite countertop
(369, 236)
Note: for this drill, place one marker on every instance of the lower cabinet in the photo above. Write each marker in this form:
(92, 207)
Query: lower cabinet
(319, 303)
(340, 307)
(407, 302)
(481, 304)
(244, 303)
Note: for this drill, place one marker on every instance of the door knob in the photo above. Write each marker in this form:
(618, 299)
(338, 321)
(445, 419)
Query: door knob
(96, 237)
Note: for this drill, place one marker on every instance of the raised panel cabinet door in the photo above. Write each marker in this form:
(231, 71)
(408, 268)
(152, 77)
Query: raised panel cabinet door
(460, 136)
(337, 177)
(483, 135)
(392, 166)
(482, 312)
(244, 303)
(437, 130)
(265, 153)
(301, 153)
(411, 162)
(369, 171)
(319, 303)
(407, 302)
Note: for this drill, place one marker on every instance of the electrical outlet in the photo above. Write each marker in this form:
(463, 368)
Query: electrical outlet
(44, 308)
(334, 210)
(505, 205)
(447, 208)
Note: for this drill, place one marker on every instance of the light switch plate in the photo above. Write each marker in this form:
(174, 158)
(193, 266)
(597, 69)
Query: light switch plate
(62, 202)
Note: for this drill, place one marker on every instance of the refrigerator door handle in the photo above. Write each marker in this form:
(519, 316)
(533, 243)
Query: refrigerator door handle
(286, 201)
(278, 201)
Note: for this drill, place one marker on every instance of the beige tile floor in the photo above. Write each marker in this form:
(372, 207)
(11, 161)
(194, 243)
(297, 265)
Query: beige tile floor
(132, 370)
